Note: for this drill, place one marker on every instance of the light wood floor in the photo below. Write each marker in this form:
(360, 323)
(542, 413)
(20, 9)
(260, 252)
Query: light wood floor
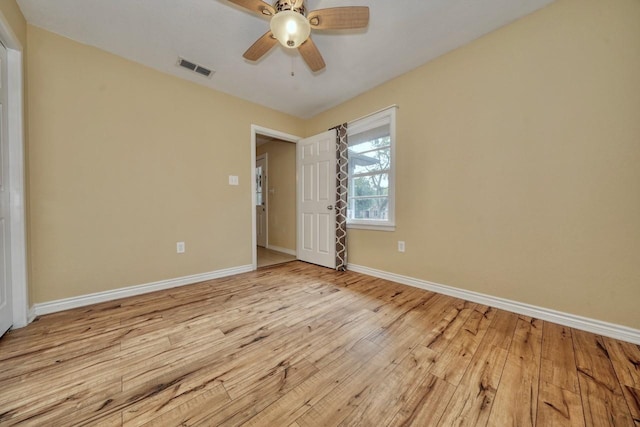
(298, 345)
(268, 257)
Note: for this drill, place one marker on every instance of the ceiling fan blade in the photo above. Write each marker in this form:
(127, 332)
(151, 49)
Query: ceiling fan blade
(260, 47)
(311, 55)
(257, 6)
(339, 18)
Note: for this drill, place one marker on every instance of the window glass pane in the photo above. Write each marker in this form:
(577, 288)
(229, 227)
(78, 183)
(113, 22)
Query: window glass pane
(379, 129)
(373, 161)
(375, 209)
(362, 145)
(372, 185)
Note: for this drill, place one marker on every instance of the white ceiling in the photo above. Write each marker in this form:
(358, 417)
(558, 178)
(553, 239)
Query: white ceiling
(402, 35)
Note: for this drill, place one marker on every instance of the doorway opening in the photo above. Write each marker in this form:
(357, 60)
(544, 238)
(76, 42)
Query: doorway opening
(275, 200)
(274, 187)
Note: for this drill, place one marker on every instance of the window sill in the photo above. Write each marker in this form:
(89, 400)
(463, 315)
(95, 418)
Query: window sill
(373, 227)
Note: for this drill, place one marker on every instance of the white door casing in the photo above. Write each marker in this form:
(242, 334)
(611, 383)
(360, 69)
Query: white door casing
(15, 133)
(316, 199)
(6, 300)
(261, 200)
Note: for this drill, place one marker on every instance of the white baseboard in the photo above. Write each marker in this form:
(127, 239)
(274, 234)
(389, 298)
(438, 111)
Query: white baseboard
(283, 250)
(83, 300)
(31, 314)
(612, 330)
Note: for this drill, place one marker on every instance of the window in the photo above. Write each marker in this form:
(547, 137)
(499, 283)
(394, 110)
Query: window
(371, 171)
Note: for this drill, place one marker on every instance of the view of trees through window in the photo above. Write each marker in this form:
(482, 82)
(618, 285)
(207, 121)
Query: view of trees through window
(369, 167)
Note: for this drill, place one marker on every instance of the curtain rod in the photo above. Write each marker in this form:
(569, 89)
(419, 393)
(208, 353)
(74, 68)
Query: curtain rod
(375, 112)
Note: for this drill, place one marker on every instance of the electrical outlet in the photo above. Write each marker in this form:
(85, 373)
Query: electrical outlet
(234, 180)
(180, 247)
(400, 246)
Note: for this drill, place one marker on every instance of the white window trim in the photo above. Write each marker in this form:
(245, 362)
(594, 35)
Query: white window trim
(356, 127)
(373, 227)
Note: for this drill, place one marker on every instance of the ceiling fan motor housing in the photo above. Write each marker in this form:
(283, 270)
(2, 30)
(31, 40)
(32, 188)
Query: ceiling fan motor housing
(282, 5)
(290, 27)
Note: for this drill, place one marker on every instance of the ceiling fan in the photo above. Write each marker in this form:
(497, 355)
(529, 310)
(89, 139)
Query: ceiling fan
(291, 26)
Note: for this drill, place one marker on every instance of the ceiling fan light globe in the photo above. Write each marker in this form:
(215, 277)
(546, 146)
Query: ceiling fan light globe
(290, 28)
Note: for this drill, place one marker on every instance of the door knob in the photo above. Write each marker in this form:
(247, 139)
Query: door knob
(330, 207)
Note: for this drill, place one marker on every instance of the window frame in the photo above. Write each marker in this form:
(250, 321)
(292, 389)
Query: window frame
(362, 125)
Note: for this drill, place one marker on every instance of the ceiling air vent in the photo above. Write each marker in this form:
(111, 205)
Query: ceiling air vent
(204, 71)
(195, 67)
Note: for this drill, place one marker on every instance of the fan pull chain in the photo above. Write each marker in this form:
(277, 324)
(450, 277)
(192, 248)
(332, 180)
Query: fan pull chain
(292, 71)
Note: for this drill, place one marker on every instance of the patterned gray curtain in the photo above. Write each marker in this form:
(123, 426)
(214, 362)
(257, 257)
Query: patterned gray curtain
(342, 187)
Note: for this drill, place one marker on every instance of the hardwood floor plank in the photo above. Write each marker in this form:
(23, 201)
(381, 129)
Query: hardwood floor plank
(330, 306)
(60, 405)
(174, 399)
(559, 400)
(299, 345)
(426, 404)
(602, 398)
(296, 402)
(337, 405)
(516, 401)
(288, 350)
(625, 358)
(180, 415)
(392, 317)
(393, 311)
(238, 379)
(387, 396)
(53, 360)
(632, 396)
(346, 333)
(267, 391)
(20, 359)
(559, 407)
(70, 379)
(452, 363)
(449, 324)
(114, 420)
(558, 359)
(472, 401)
(149, 370)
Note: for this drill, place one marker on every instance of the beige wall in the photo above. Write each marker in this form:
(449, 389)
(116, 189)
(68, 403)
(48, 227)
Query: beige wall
(518, 163)
(282, 192)
(13, 15)
(125, 162)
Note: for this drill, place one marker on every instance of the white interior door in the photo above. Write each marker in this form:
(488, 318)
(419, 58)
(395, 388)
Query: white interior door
(261, 200)
(316, 199)
(6, 315)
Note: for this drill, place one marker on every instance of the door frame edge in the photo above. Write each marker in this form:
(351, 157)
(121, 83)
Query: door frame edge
(17, 210)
